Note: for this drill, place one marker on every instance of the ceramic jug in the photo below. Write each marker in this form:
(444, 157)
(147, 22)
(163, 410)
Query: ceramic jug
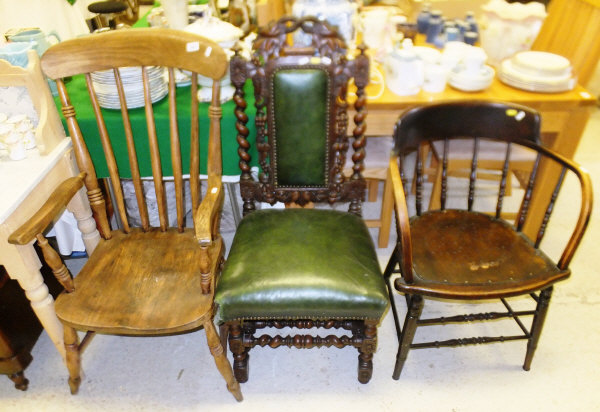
(35, 36)
(15, 53)
(39, 41)
(374, 25)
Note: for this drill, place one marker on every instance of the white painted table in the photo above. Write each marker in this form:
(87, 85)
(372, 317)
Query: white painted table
(25, 186)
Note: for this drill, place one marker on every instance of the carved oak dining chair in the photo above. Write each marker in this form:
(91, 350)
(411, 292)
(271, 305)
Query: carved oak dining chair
(458, 253)
(306, 268)
(144, 280)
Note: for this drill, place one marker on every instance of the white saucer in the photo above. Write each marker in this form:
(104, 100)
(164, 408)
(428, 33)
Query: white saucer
(467, 82)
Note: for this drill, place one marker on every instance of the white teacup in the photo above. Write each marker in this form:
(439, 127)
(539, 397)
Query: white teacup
(16, 151)
(436, 76)
(15, 145)
(473, 60)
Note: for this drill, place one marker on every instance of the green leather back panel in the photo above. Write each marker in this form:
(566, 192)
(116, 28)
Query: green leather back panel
(301, 264)
(300, 99)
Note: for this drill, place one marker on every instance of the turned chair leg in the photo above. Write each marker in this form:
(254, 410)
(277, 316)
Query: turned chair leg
(224, 334)
(366, 351)
(223, 365)
(19, 380)
(387, 275)
(415, 308)
(240, 353)
(73, 358)
(537, 325)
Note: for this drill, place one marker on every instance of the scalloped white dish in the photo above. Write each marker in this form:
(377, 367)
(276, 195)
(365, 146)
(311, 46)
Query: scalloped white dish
(467, 82)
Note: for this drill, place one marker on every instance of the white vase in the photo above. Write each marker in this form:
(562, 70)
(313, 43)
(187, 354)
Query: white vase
(508, 28)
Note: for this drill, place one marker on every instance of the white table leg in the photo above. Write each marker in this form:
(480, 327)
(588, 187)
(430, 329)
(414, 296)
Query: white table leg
(86, 224)
(32, 282)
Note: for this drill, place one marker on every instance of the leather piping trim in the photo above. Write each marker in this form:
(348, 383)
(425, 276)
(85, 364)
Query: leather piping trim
(301, 318)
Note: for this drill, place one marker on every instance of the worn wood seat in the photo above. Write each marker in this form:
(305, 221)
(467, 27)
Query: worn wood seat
(457, 252)
(145, 280)
(135, 304)
(471, 254)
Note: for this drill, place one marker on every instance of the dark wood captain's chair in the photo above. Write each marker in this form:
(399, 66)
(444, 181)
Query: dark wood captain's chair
(301, 267)
(456, 252)
(141, 281)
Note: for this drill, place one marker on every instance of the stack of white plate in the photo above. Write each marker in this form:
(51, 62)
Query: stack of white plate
(468, 81)
(106, 87)
(537, 71)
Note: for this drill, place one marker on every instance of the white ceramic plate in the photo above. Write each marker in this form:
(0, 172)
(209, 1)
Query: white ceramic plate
(542, 63)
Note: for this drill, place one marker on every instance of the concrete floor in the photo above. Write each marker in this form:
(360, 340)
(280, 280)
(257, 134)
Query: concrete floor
(178, 373)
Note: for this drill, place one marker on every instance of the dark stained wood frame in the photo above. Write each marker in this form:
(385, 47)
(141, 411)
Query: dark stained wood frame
(401, 261)
(273, 50)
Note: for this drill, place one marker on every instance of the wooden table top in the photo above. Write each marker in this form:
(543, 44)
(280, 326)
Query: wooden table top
(388, 100)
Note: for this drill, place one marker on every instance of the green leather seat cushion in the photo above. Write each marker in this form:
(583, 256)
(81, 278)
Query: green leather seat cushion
(301, 264)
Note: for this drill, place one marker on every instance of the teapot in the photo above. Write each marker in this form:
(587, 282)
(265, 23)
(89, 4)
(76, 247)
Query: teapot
(404, 70)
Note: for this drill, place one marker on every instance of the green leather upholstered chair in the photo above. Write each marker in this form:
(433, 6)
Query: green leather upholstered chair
(301, 267)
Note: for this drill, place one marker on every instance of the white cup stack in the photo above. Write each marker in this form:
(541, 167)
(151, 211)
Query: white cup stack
(17, 135)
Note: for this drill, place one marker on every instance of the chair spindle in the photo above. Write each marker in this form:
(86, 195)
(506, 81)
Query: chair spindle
(524, 209)
(503, 180)
(419, 172)
(132, 154)
(176, 152)
(444, 194)
(473, 175)
(111, 162)
(84, 161)
(550, 208)
(60, 271)
(194, 147)
(159, 186)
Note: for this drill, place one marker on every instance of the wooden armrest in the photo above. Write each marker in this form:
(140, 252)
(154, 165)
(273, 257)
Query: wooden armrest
(55, 204)
(206, 217)
(402, 220)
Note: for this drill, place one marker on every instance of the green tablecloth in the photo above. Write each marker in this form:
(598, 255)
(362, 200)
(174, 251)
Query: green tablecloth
(114, 123)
